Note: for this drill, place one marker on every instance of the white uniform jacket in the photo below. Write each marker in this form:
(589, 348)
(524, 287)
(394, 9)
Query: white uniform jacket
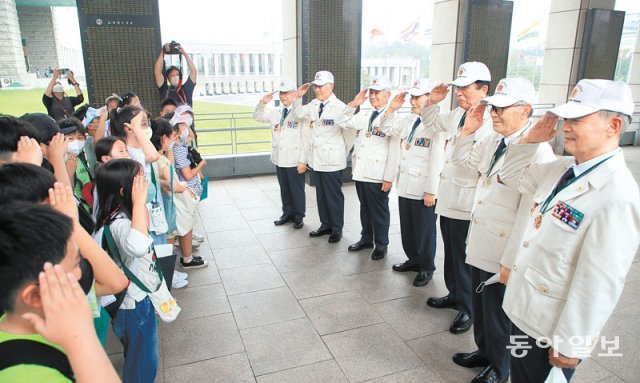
(327, 140)
(499, 213)
(457, 183)
(421, 154)
(375, 153)
(569, 271)
(286, 136)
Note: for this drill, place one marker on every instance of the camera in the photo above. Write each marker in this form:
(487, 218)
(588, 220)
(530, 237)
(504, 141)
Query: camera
(172, 48)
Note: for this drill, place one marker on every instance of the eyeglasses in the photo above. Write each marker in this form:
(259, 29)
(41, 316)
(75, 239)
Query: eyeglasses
(500, 109)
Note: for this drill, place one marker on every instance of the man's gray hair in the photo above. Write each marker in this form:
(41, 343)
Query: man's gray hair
(626, 119)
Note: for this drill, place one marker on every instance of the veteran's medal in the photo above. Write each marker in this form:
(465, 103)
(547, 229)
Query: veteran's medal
(537, 221)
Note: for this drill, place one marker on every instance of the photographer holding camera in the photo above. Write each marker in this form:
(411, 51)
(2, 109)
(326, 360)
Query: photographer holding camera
(58, 105)
(170, 82)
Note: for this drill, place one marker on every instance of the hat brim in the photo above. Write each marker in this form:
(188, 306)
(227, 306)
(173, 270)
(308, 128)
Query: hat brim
(573, 110)
(322, 82)
(500, 100)
(462, 81)
(418, 92)
(285, 90)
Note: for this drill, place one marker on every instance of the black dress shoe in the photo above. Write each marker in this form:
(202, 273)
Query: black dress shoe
(336, 236)
(441, 303)
(282, 220)
(404, 267)
(489, 375)
(298, 224)
(319, 232)
(470, 359)
(378, 253)
(422, 279)
(360, 245)
(461, 324)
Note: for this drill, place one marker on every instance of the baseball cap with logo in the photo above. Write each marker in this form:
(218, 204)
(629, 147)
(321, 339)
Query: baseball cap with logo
(286, 85)
(590, 96)
(322, 78)
(379, 83)
(470, 72)
(510, 91)
(90, 115)
(421, 86)
(58, 88)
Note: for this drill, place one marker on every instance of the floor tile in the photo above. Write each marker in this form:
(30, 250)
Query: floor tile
(232, 238)
(339, 312)
(321, 372)
(200, 339)
(201, 301)
(265, 307)
(283, 345)
(240, 256)
(302, 258)
(436, 351)
(250, 278)
(316, 282)
(371, 352)
(232, 368)
(418, 375)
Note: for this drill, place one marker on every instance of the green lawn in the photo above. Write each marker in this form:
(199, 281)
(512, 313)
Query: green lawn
(209, 116)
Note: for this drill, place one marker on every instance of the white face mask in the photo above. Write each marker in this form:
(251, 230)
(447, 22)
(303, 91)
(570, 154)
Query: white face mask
(174, 80)
(183, 136)
(75, 147)
(148, 133)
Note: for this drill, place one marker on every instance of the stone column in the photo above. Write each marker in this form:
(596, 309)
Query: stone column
(227, 64)
(216, 64)
(563, 46)
(12, 64)
(634, 71)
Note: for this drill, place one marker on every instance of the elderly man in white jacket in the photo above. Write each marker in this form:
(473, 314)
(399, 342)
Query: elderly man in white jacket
(286, 143)
(375, 166)
(581, 236)
(498, 217)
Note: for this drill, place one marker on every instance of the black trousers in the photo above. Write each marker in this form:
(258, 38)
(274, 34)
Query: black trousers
(491, 326)
(291, 192)
(374, 213)
(457, 273)
(533, 367)
(330, 199)
(418, 232)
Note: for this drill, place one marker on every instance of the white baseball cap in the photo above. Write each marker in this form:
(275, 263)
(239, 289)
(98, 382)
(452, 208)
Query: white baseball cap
(58, 88)
(379, 83)
(470, 72)
(323, 77)
(181, 109)
(590, 96)
(286, 85)
(511, 90)
(421, 86)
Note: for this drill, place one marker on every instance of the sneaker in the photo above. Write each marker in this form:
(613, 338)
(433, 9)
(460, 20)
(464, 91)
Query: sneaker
(194, 264)
(178, 283)
(180, 275)
(198, 237)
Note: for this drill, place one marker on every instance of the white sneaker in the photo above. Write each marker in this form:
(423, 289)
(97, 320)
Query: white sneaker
(178, 283)
(180, 275)
(198, 237)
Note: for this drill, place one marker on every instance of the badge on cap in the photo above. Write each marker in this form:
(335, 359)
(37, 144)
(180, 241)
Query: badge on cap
(575, 92)
(500, 88)
(416, 84)
(461, 72)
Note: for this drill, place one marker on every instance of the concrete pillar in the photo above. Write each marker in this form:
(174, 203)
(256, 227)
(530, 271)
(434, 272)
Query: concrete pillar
(216, 64)
(38, 28)
(227, 64)
(265, 63)
(634, 71)
(563, 46)
(290, 41)
(12, 65)
(247, 63)
(256, 64)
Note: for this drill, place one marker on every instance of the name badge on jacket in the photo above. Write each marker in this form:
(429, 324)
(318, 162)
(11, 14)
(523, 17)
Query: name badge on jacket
(568, 215)
(423, 142)
(292, 125)
(328, 122)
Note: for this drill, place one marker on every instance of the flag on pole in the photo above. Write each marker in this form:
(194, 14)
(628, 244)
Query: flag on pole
(411, 31)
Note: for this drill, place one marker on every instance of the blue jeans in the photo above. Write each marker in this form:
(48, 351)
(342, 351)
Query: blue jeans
(137, 331)
(158, 239)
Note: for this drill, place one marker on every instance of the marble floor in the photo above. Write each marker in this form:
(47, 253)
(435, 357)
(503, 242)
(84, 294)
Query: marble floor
(275, 305)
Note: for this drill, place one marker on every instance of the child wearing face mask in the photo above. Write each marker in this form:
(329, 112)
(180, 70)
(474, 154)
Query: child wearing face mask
(186, 202)
(80, 173)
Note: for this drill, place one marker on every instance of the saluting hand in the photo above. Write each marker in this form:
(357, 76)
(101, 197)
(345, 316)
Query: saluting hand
(267, 98)
(359, 98)
(397, 101)
(302, 90)
(438, 93)
(139, 191)
(28, 151)
(61, 198)
(543, 131)
(474, 119)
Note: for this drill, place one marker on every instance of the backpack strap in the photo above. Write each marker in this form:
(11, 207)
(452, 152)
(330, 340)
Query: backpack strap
(22, 351)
